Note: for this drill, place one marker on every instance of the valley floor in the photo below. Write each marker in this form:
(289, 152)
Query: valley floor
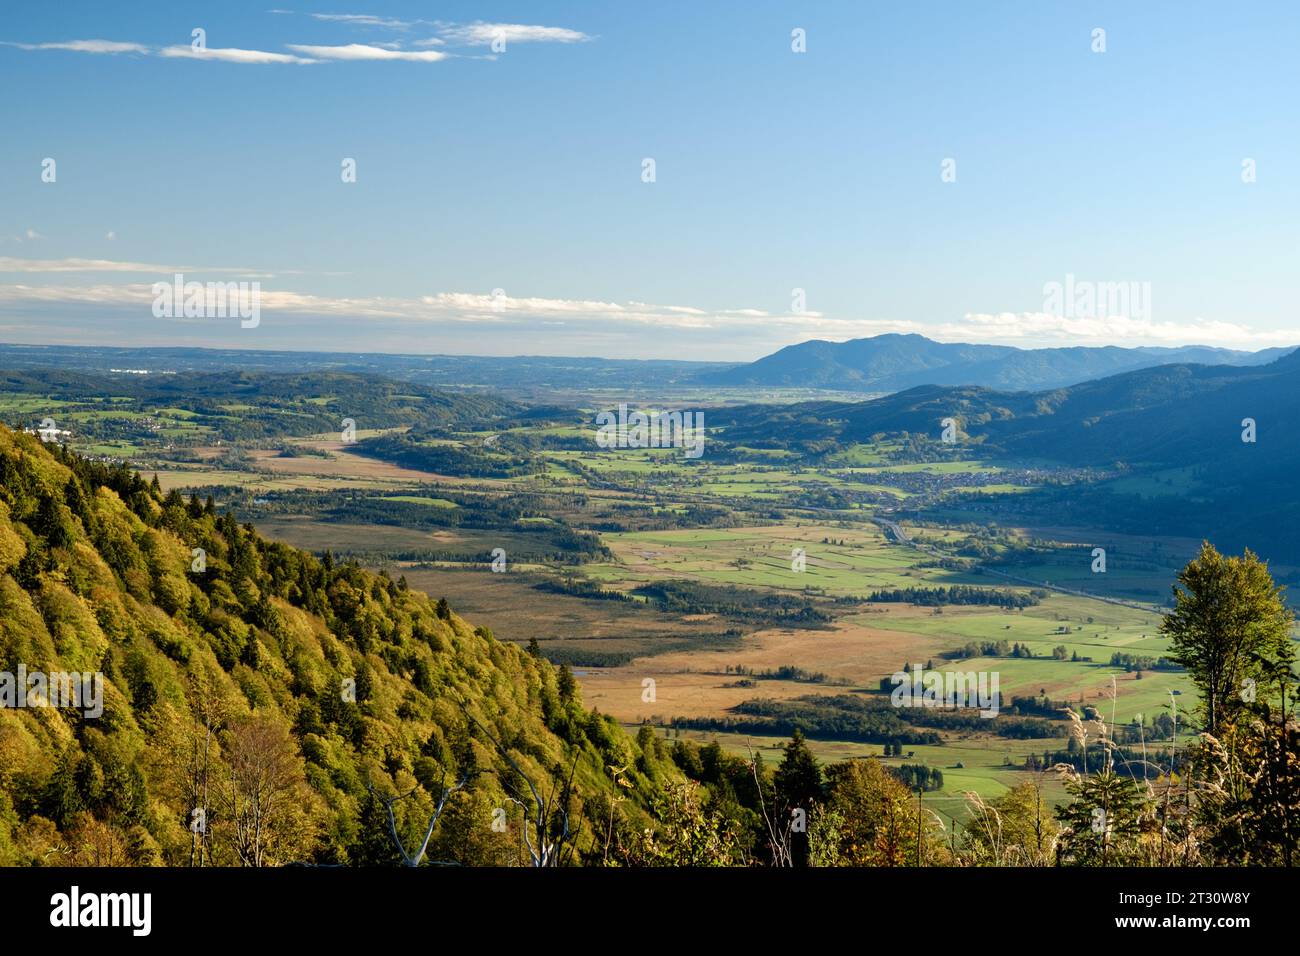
(721, 584)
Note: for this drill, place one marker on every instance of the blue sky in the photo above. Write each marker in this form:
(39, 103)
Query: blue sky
(520, 170)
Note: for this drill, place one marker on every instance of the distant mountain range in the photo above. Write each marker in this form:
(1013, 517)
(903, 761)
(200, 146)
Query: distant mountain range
(884, 363)
(515, 375)
(892, 363)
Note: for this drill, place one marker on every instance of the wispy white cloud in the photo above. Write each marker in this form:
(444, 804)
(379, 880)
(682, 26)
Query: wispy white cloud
(440, 307)
(481, 33)
(303, 54)
(84, 46)
(11, 264)
(368, 20)
(365, 51)
(478, 33)
(229, 55)
(1040, 328)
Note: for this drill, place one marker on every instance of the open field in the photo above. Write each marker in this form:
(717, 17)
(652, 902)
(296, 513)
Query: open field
(848, 561)
(566, 626)
(185, 478)
(972, 765)
(695, 683)
(341, 538)
(341, 464)
(461, 546)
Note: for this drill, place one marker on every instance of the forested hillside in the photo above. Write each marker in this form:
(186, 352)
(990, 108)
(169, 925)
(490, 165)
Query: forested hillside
(1221, 432)
(291, 700)
(1170, 416)
(238, 406)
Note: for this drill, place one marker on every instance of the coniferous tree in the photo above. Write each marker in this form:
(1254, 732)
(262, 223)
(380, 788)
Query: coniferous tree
(568, 686)
(1229, 623)
(798, 787)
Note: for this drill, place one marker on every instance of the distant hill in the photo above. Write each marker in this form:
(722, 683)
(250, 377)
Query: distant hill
(242, 405)
(890, 363)
(1152, 421)
(1168, 416)
(513, 375)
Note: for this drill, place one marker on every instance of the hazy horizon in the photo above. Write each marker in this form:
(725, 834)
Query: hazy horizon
(252, 347)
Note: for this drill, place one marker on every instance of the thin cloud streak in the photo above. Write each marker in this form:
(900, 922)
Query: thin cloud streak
(13, 264)
(230, 55)
(740, 326)
(479, 33)
(304, 53)
(363, 51)
(84, 46)
(482, 34)
(367, 20)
